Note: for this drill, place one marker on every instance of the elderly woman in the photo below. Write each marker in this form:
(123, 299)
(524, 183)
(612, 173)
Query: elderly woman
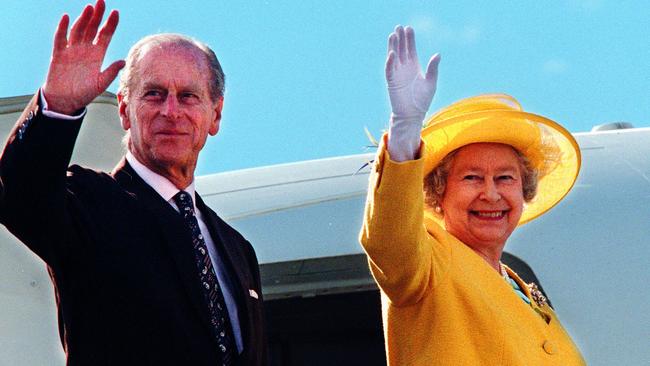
(442, 203)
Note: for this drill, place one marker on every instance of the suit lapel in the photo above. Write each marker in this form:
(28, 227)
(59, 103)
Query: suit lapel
(176, 235)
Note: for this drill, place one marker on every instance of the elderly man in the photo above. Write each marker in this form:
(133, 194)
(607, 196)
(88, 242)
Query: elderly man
(144, 272)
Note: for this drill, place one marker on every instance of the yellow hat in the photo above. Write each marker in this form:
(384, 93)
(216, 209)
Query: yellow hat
(499, 118)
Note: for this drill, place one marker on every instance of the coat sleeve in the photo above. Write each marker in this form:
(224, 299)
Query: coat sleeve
(405, 260)
(33, 170)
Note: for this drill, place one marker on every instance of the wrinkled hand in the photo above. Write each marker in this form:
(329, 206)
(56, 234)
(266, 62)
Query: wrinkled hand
(410, 93)
(75, 78)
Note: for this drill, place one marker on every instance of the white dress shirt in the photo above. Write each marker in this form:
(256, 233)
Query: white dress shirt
(167, 190)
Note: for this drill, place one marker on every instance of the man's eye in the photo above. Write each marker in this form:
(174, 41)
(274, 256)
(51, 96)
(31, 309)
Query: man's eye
(189, 96)
(152, 94)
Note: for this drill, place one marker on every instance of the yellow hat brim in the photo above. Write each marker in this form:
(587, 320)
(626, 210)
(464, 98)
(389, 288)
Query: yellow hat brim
(551, 149)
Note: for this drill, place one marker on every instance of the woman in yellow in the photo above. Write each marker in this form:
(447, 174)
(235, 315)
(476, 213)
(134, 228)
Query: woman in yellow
(442, 202)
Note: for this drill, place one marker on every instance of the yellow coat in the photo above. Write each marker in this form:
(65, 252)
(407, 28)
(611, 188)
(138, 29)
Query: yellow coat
(443, 304)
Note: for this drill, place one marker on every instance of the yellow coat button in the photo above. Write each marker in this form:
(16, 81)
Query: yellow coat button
(549, 347)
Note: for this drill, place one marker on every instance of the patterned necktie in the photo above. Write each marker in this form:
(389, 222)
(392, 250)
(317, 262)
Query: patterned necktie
(209, 284)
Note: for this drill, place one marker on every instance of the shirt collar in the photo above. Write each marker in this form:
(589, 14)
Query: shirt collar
(166, 189)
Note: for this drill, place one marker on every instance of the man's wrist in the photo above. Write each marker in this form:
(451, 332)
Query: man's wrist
(52, 114)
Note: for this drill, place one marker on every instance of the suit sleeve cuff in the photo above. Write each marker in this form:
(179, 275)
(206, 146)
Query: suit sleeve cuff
(51, 114)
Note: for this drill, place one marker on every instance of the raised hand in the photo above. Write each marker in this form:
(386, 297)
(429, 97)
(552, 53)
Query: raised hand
(410, 91)
(75, 77)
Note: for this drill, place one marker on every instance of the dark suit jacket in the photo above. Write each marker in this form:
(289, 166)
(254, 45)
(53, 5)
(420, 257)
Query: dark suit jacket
(119, 255)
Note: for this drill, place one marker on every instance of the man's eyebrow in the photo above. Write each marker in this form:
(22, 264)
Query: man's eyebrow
(194, 87)
(148, 85)
(152, 85)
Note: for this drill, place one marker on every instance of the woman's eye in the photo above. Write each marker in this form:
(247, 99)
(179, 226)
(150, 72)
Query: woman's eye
(471, 177)
(506, 177)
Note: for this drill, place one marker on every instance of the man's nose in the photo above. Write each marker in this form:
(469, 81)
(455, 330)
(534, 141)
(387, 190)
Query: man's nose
(490, 191)
(171, 107)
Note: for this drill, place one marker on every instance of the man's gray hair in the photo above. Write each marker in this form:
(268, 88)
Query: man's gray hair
(217, 77)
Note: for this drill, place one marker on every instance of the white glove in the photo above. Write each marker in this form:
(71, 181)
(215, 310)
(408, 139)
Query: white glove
(410, 93)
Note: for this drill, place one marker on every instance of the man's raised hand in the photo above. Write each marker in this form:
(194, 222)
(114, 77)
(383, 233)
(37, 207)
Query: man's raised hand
(75, 77)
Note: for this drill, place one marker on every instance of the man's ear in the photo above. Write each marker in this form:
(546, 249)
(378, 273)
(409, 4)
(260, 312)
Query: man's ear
(124, 114)
(216, 120)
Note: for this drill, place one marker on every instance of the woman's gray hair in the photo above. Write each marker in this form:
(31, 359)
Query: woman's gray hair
(217, 77)
(436, 181)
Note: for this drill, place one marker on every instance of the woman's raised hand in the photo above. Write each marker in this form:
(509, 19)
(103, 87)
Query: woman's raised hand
(410, 91)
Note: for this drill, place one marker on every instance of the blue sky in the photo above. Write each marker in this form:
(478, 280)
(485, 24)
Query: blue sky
(303, 78)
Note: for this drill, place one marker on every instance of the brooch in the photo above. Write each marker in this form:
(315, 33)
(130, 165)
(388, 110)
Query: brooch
(537, 295)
